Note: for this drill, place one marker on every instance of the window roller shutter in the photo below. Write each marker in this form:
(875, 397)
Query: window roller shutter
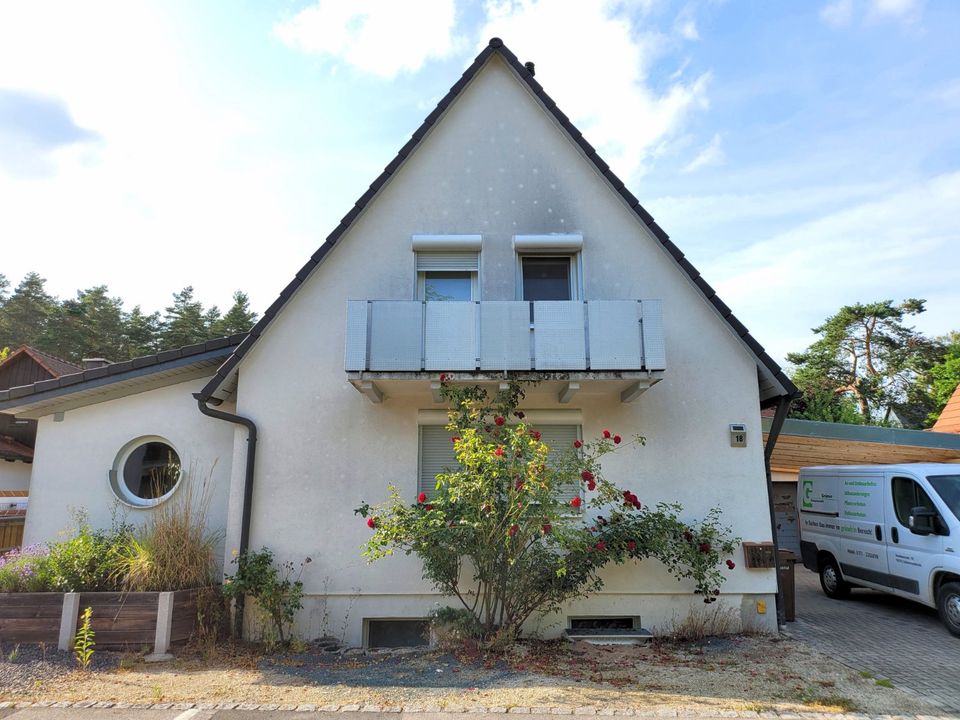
(560, 439)
(437, 454)
(448, 261)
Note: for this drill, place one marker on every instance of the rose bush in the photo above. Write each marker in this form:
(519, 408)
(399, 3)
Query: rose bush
(498, 535)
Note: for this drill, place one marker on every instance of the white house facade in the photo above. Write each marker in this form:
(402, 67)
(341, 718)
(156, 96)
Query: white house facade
(497, 244)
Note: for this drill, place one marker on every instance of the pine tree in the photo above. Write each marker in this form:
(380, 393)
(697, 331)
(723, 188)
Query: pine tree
(26, 313)
(238, 319)
(141, 334)
(184, 321)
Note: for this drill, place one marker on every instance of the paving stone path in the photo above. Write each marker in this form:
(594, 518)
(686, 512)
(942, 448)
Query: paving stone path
(884, 635)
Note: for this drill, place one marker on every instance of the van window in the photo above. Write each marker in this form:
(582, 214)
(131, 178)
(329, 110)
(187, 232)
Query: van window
(948, 488)
(906, 496)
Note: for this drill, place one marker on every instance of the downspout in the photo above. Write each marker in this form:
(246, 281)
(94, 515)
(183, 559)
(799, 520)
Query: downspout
(783, 407)
(247, 489)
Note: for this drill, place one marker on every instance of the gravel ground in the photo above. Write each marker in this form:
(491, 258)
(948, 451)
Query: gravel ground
(33, 668)
(747, 673)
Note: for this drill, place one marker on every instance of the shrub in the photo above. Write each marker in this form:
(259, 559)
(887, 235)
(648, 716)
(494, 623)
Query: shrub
(499, 520)
(25, 570)
(87, 561)
(454, 626)
(278, 594)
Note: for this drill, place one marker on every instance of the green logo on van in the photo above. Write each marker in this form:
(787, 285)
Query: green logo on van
(805, 499)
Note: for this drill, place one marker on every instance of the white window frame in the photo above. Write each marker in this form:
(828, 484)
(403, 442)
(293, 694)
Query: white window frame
(446, 244)
(557, 245)
(118, 485)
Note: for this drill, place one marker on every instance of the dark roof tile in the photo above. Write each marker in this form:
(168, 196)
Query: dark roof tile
(738, 327)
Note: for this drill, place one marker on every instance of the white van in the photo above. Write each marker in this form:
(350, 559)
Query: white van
(888, 527)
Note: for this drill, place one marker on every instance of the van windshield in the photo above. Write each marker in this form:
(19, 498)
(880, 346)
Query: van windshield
(948, 488)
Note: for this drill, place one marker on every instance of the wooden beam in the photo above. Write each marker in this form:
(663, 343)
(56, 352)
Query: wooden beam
(634, 391)
(370, 389)
(568, 391)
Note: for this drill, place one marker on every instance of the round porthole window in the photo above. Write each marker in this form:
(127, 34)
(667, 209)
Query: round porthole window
(146, 472)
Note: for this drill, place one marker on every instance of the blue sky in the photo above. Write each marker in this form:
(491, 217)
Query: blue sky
(803, 154)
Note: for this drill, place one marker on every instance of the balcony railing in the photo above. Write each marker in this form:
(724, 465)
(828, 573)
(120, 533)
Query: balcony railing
(415, 336)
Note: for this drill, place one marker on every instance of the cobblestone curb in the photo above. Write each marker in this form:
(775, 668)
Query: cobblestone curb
(645, 712)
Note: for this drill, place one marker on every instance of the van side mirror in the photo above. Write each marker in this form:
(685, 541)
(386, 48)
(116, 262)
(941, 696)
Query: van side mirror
(923, 521)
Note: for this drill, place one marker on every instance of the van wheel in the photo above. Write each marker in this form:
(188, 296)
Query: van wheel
(948, 604)
(833, 584)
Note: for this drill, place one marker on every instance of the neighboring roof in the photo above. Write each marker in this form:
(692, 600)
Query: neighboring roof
(123, 378)
(11, 449)
(497, 47)
(42, 366)
(949, 420)
(804, 443)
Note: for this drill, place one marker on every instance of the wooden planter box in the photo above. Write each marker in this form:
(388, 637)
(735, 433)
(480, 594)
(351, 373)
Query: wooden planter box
(118, 619)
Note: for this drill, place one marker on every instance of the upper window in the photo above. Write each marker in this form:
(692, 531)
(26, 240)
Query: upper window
(907, 495)
(546, 278)
(146, 472)
(447, 276)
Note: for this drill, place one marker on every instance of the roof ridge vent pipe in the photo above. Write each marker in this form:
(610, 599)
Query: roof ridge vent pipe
(92, 363)
(247, 488)
(531, 68)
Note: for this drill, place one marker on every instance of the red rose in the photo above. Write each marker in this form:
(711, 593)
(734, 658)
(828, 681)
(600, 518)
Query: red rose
(587, 475)
(422, 497)
(443, 377)
(371, 523)
(513, 530)
(576, 502)
(519, 485)
(617, 439)
(688, 536)
(717, 591)
(577, 444)
(636, 504)
(519, 414)
(498, 452)
(591, 486)
(731, 564)
(499, 420)
(704, 547)
(535, 435)
(631, 545)
(547, 528)
(601, 545)
(454, 440)
(428, 507)
(606, 434)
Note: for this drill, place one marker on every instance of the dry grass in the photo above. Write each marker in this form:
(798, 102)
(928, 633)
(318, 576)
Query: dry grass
(174, 550)
(700, 623)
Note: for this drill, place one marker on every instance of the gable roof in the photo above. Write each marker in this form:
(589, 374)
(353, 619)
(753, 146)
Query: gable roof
(45, 366)
(496, 47)
(85, 387)
(949, 420)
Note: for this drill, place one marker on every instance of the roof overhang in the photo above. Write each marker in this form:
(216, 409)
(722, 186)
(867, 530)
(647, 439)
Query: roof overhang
(805, 443)
(118, 380)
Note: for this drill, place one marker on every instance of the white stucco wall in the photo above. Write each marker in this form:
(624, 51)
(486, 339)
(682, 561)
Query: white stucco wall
(14, 475)
(496, 165)
(73, 457)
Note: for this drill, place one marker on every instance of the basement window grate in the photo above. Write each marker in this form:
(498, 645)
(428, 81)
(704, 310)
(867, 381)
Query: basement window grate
(604, 623)
(394, 633)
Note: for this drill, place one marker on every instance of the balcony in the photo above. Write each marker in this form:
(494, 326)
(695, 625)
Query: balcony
(595, 340)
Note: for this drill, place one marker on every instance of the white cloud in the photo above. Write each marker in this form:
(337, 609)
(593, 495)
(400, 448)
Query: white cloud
(381, 37)
(167, 189)
(894, 245)
(842, 13)
(602, 82)
(686, 25)
(711, 154)
(838, 13)
(905, 9)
